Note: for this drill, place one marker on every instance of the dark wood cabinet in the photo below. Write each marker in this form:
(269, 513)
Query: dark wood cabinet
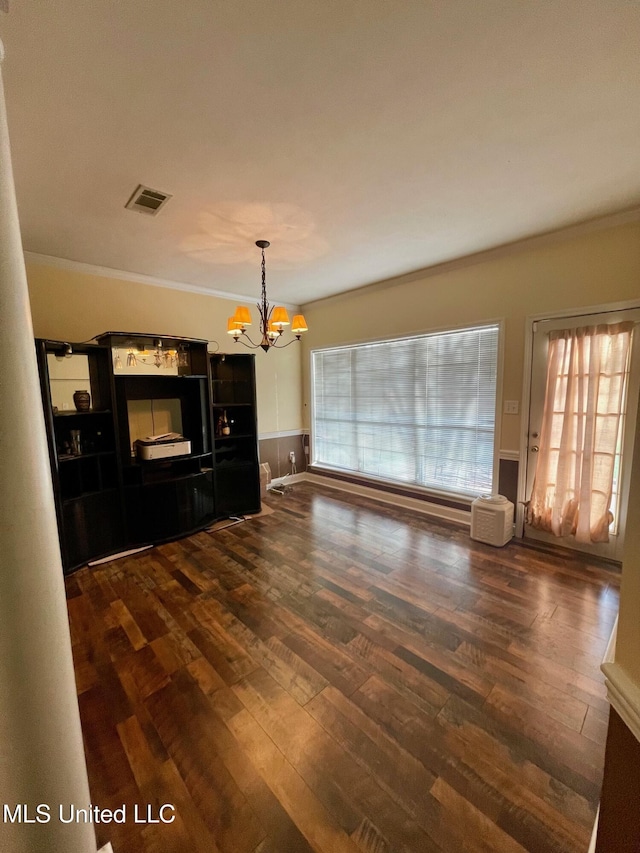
(107, 498)
(235, 433)
(83, 450)
(163, 388)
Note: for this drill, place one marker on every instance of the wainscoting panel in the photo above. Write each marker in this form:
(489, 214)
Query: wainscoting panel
(275, 450)
(508, 479)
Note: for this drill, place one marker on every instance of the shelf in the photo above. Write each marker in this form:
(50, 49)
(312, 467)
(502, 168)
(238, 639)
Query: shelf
(150, 463)
(234, 436)
(159, 375)
(73, 413)
(229, 405)
(65, 458)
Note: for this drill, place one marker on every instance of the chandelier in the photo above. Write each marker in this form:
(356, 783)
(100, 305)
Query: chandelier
(273, 319)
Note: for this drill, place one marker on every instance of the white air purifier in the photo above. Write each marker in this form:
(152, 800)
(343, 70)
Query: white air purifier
(492, 520)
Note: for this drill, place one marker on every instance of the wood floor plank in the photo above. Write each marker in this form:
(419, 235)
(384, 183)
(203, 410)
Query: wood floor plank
(550, 699)
(481, 834)
(595, 725)
(313, 820)
(525, 797)
(575, 770)
(351, 792)
(332, 663)
(184, 725)
(342, 675)
(397, 771)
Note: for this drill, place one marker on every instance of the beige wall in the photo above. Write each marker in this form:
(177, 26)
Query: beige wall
(548, 274)
(75, 306)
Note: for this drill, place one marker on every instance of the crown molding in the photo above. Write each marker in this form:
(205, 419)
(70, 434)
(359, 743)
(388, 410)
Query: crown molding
(535, 241)
(140, 278)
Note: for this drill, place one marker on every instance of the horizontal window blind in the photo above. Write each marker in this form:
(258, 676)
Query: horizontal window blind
(417, 411)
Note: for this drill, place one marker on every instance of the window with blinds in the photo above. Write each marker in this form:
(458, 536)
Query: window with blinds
(417, 411)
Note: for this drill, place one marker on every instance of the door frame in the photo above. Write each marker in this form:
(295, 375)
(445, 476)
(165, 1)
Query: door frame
(530, 320)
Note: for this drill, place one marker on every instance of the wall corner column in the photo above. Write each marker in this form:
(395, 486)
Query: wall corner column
(619, 819)
(41, 753)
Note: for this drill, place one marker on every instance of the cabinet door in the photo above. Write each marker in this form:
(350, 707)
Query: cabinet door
(92, 526)
(237, 490)
(160, 511)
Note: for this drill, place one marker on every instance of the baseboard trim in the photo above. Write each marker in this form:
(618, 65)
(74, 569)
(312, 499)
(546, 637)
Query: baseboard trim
(118, 556)
(594, 834)
(425, 507)
(610, 651)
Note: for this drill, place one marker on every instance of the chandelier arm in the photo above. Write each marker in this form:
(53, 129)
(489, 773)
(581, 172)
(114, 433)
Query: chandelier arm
(288, 344)
(246, 340)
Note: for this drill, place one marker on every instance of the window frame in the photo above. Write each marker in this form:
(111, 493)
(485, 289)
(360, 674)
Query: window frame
(396, 485)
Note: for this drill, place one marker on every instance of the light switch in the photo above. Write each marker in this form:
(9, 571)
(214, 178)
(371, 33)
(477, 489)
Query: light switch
(511, 407)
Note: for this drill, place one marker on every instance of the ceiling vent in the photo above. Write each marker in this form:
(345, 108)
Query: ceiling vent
(146, 200)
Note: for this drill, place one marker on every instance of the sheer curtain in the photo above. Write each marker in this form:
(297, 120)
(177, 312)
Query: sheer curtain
(586, 380)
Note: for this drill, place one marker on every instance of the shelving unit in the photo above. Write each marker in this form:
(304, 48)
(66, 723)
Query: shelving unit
(236, 469)
(108, 500)
(85, 471)
(171, 497)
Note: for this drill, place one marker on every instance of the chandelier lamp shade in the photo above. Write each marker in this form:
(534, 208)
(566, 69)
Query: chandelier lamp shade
(273, 319)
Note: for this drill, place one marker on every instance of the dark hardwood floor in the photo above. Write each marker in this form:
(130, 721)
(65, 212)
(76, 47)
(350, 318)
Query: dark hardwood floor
(341, 675)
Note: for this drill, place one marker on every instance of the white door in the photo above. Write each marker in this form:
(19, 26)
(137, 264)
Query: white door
(612, 549)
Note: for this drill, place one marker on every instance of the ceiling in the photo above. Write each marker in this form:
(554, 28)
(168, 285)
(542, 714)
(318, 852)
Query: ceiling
(364, 138)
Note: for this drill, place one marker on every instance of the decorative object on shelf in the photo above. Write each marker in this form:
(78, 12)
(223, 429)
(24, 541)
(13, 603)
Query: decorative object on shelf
(273, 319)
(222, 425)
(82, 400)
(76, 445)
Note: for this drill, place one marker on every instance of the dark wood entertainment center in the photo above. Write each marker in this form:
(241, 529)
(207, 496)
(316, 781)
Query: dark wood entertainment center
(107, 498)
